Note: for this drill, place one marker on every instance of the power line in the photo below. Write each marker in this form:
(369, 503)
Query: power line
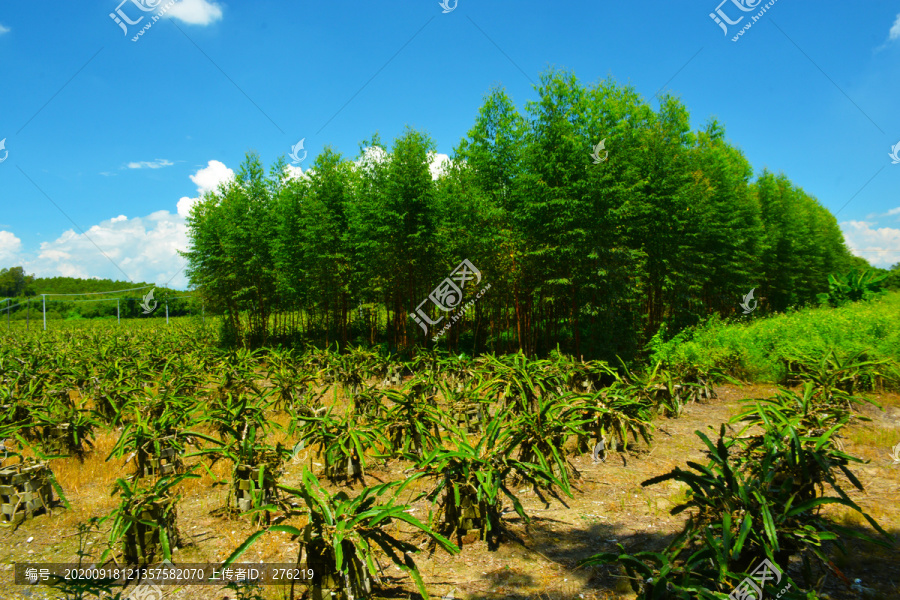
(98, 293)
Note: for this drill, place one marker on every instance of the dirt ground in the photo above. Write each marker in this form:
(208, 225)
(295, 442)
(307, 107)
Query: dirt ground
(534, 561)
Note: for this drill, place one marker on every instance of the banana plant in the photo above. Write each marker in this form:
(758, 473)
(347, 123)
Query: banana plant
(853, 286)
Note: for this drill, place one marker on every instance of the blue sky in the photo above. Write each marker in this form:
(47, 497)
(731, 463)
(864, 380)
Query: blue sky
(107, 140)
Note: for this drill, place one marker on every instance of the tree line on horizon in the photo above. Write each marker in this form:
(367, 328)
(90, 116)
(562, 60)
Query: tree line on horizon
(591, 254)
(24, 293)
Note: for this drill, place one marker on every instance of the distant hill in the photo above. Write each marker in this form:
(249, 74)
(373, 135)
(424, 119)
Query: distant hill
(14, 283)
(74, 285)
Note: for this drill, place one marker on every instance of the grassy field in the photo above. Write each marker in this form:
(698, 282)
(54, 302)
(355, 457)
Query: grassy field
(758, 349)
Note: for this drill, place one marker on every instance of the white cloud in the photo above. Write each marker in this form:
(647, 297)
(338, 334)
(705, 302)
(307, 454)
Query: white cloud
(895, 30)
(4, 29)
(292, 172)
(894, 212)
(184, 205)
(878, 245)
(155, 164)
(10, 246)
(371, 156)
(206, 179)
(196, 12)
(439, 164)
(144, 248)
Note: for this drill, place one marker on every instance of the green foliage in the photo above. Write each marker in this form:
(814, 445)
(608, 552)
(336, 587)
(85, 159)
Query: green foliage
(144, 523)
(759, 497)
(82, 589)
(590, 258)
(14, 282)
(342, 443)
(412, 424)
(764, 349)
(853, 286)
(472, 480)
(342, 535)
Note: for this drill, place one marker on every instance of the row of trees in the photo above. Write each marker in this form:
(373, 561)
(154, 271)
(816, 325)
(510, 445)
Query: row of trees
(14, 282)
(24, 305)
(592, 256)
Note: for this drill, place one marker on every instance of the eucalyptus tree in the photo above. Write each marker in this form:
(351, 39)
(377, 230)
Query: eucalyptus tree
(230, 255)
(490, 161)
(592, 249)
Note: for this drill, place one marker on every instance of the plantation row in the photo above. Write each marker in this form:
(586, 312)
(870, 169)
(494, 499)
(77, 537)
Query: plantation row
(472, 431)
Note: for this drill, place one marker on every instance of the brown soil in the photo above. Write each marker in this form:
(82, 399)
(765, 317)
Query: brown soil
(534, 561)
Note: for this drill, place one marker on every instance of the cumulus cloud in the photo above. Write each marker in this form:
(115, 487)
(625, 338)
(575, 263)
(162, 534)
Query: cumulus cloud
(895, 30)
(144, 248)
(878, 245)
(10, 246)
(439, 164)
(155, 164)
(3, 29)
(371, 156)
(292, 172)
(209, 177)
(206, 179)
(196, 12)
